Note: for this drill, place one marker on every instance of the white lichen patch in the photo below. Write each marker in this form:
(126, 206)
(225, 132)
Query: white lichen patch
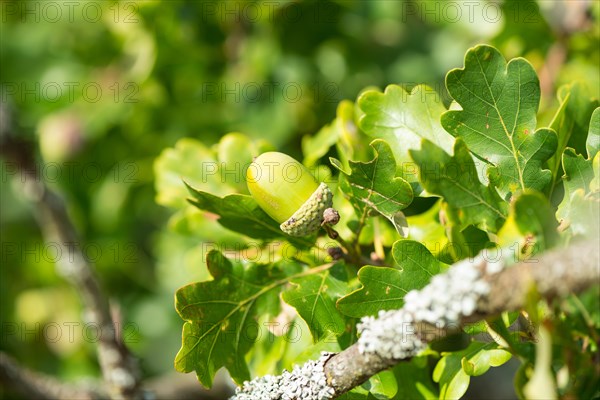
(305, 382)
(446, 300)
(390, 335)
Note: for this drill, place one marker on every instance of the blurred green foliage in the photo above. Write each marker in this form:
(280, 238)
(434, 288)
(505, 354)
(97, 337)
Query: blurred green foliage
(104, 87)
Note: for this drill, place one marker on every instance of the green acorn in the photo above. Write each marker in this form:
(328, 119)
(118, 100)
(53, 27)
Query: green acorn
(288, 192)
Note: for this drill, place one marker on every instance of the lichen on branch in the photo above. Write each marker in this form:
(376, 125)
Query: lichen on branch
(470, 290)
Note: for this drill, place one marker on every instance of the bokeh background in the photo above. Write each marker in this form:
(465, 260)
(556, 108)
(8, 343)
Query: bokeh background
(104, 87)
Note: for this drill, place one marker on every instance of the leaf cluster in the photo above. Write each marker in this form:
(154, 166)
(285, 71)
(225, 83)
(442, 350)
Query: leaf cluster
(418, 187)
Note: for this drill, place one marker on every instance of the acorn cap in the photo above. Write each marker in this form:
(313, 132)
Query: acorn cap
(309, 217)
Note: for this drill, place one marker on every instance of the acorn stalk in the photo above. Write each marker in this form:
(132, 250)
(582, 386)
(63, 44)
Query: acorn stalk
(288, 193)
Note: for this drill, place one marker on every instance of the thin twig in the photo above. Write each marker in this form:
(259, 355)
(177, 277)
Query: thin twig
(119, 368)
(35, 385)
(351, 255)
(361, 224)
